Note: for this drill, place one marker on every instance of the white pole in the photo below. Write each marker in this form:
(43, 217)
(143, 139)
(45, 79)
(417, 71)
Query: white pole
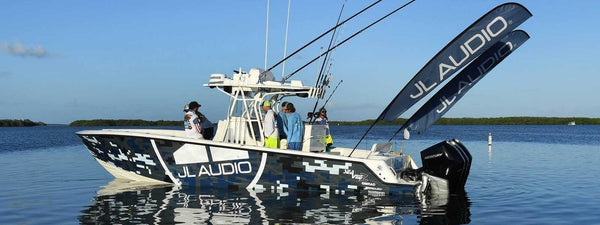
(287, 24)
(490, 144)
(267, 35)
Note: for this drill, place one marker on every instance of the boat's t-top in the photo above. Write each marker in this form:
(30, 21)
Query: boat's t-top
(247, 92)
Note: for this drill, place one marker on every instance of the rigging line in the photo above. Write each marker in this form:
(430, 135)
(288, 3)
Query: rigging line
(404, 126)
(360, 31)
(382, 113)
(320, 36)
(267, 35)
(287, 25)
(364, 135)
(371, 127)
(321, 78)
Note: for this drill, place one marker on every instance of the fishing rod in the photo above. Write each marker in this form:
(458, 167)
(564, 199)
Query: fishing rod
(321, 77)
(324, 104)
(360, 31)
(320, 36)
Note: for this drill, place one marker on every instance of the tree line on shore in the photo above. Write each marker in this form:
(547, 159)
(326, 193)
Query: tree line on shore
(20, 123)
(399, 121)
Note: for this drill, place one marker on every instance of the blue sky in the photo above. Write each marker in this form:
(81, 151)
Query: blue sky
(62, 61)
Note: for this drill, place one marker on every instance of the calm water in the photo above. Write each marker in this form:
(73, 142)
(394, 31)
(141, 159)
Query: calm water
(533, 175)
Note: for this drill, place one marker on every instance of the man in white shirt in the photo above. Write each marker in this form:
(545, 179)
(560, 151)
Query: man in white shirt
(192, 124)
(270, 127)
(206, 127)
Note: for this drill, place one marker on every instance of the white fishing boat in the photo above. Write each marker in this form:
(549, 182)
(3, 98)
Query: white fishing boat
(237, 159)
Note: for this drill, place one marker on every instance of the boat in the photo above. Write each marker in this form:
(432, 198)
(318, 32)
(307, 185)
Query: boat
(236, 159)
(572, 123)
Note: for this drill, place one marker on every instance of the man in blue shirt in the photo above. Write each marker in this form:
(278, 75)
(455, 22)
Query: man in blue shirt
(282, 120)
(294, 129)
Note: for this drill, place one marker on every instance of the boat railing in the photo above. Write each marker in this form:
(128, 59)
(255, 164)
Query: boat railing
(237, 130)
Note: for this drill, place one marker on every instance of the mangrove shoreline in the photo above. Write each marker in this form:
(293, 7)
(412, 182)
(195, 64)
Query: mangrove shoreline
(20, 123)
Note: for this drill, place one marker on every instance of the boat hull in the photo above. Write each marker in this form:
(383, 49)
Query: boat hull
(209, 164)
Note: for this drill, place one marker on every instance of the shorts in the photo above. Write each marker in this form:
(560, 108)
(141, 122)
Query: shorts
(295, 145)
(271, 142)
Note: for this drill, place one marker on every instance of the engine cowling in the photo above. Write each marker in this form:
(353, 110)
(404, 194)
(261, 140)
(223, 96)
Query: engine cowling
(448, 160)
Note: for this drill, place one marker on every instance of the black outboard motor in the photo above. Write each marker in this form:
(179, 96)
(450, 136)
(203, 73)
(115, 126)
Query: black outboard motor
(449, 160)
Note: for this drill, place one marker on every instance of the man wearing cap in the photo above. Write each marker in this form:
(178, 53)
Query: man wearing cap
(323, 120)
(269, 126)
(192, 123)
(206, 126)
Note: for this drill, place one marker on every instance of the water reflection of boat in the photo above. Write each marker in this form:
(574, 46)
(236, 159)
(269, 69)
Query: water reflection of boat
(188, 205)
(118, 185)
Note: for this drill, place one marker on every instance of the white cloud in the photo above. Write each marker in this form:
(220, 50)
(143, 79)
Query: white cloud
(18, 49)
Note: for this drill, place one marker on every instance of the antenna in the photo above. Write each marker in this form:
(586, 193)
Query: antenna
(353, 35)
(287, 24)
(267, 35)
(323, 34)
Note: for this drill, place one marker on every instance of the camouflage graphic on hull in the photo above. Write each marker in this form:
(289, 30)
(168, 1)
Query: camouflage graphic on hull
(212, 166)
(127, 153)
